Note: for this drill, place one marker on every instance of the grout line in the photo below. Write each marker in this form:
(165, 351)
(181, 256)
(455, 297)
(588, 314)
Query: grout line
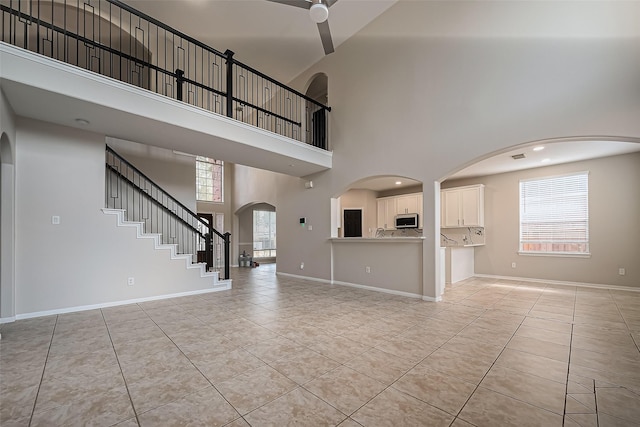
(126, 385)
(44, 367)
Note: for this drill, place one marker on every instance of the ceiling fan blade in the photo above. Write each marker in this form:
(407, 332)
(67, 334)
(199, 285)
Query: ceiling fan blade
(304, 4)
(325, 36)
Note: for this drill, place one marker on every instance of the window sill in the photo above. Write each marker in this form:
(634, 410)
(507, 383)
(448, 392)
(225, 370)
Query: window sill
(556, 254)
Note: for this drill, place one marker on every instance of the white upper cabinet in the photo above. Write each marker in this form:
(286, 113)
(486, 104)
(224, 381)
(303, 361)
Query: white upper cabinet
(407, 204)
(462, 206)
(389, 207)
(386, 214)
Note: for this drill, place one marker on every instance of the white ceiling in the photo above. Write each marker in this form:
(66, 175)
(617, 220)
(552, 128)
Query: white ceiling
(554, 153)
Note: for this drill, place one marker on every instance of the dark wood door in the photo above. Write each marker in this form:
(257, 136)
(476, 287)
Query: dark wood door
(353, 223)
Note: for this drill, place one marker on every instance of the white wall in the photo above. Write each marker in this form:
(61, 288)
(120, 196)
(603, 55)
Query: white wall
(614, 209)
(86, 259)
(443, 102)
(174, 173)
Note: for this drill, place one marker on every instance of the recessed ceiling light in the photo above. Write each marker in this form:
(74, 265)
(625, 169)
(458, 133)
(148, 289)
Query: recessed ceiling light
(538, 148)
(82, 122)
(545, 160)
(398, 182)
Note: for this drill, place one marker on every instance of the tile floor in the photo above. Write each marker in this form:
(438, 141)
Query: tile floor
(277, 351)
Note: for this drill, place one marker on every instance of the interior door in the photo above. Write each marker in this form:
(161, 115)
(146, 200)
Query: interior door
(352, 222)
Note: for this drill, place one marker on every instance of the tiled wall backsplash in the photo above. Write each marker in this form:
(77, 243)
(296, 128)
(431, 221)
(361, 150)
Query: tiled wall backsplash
(463, 236)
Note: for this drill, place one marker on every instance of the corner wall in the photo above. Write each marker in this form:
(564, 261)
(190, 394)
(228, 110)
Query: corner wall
(7, 210)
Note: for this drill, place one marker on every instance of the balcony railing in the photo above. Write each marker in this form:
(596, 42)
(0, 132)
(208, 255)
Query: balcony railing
(117, 41)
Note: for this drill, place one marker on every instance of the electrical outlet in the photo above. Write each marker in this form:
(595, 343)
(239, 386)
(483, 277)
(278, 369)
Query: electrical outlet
(367, 269)
(302, 266)
(131, 281)
(513, 265)
(622, 271)
(310, 227)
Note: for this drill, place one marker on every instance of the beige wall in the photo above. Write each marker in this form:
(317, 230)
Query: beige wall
(365, 200)
(614, 210)
(408, 103)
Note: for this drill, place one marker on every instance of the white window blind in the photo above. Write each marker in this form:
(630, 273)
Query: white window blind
(554, 214)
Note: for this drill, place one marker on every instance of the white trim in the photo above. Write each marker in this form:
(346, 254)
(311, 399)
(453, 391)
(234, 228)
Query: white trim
(431, 299)
(227, 286)
(355, 285)
(560, 282)
(295, 276)
(376, 289)
(7, 319)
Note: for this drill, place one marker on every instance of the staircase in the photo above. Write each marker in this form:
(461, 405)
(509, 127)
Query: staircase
(211, 278)
(140, 203)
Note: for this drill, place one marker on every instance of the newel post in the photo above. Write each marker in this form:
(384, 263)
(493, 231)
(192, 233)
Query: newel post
(230, 61)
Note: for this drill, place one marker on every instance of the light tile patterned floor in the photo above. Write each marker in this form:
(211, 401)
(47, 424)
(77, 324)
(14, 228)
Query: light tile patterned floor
(277, 351)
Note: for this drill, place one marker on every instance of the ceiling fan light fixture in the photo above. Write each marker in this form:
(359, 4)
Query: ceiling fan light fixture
(319, 12)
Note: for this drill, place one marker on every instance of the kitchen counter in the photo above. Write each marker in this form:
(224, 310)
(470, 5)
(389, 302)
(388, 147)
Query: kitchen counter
(377, 239)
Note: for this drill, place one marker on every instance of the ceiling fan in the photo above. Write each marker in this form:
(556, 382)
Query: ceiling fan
(319, 13)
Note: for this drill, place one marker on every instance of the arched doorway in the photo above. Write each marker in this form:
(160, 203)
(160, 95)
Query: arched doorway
(7, 237)
(257, 236)
(316, 118)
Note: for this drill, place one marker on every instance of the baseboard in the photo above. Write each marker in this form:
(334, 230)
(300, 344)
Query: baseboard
(559, 282)
(7, 319)
(295, 276)
(354, 285)
(117, 303)
(376, 289)
(431, 299)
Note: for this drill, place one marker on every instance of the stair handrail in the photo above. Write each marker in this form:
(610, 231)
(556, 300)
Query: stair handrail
(226, 237)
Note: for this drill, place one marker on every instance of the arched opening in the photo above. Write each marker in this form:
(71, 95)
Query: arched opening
(369, 206)
(257, 236)
(7, 234)
(502, 244)
(316, 119)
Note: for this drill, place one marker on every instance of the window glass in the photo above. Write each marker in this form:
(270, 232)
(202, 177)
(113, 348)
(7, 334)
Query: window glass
(209, 173)
(554, 215)
(264, 234)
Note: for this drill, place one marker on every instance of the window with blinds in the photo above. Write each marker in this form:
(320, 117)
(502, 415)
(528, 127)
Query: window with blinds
(554, 215)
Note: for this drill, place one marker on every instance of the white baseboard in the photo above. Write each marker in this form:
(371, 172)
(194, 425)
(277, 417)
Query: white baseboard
(376, 289)
(559, 282)
(431, 299)
(356, 285)
(117, 303)
(7, 319)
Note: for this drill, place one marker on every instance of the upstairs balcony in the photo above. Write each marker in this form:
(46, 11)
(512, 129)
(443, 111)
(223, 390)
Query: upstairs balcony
(104, 66)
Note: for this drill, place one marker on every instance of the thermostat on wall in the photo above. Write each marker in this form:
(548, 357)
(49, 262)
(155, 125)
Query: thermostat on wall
(303, 221)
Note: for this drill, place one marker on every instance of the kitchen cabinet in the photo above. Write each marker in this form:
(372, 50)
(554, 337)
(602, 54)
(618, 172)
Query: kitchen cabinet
(462, 206)
(386, 214)
(389, 207)
(406, 204)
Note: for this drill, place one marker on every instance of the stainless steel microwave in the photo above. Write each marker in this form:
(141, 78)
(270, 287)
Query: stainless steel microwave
(407, 220)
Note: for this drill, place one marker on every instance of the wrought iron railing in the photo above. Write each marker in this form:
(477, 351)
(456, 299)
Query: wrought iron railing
(115, 40)
(144, 201)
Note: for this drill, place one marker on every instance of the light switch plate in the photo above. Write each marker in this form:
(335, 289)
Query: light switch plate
(55, 220)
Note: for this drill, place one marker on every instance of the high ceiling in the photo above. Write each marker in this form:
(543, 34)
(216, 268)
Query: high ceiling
(279, 40)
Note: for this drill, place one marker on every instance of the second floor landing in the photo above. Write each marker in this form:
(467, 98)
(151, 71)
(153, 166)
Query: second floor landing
(45, 89)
